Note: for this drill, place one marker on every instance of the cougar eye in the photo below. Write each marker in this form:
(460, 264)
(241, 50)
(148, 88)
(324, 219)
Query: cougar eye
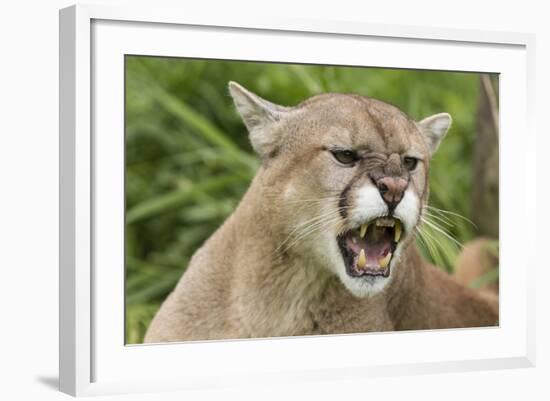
(410, 163)
(347, 157)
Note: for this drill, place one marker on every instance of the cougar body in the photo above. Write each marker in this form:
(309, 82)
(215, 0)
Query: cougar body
(323, 241)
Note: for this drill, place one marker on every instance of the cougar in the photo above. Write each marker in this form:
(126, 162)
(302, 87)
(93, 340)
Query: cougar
(323, 241)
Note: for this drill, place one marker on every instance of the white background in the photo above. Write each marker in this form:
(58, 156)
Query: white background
(234, 360)
(29, 185)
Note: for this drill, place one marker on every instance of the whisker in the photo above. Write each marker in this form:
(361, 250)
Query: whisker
(442, 231)
(321, 216)
(428, 242)
(318, 224)
(428, 219)
(310, 226)
(315, 199)
(422, 239)
(419, 236)
(435, 249)
(311, 230)
(442, 220)
(307, 224)
(435, 209)
(440, 215)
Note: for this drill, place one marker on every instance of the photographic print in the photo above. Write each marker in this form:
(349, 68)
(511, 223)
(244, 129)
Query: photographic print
(270, 200)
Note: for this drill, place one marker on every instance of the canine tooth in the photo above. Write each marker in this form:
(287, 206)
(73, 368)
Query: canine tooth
(363, 230)
(362, 261)
(354, 240)
(385, 261)
(397, 231)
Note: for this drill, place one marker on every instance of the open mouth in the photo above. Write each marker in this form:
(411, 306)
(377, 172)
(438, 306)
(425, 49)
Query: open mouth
(368, 249)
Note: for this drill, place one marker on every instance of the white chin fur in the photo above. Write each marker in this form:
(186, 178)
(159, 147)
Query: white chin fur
(363, 287)
(370, 205)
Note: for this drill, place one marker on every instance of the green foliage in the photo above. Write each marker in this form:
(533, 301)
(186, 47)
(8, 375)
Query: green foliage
(492, 274)
(188, 159)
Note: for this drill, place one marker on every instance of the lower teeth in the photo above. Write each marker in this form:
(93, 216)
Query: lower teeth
(385, 261)
(362, 260)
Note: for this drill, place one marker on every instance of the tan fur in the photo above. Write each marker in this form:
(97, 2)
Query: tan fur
(474, 261)
(246, 281)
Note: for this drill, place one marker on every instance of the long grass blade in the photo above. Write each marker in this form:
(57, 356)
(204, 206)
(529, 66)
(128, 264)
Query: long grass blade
(171, 200)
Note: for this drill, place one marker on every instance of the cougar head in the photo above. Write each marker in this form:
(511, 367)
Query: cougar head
(350, 176)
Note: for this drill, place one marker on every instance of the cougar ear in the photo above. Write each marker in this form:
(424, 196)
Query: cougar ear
(260, 118)
(434, 129)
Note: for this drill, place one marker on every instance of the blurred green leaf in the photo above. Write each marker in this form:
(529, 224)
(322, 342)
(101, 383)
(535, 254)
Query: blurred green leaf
(487, 278)
(177, 198)
(204, 127)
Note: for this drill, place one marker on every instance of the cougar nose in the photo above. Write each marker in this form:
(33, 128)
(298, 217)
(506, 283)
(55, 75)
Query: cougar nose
(392, 190)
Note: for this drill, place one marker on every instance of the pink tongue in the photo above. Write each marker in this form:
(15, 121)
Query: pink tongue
(373, 252)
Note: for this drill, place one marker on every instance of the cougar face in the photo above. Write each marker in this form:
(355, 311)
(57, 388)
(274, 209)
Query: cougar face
(351, 177)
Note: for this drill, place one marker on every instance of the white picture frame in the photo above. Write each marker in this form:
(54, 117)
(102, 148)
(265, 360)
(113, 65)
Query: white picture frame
(93, 356)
